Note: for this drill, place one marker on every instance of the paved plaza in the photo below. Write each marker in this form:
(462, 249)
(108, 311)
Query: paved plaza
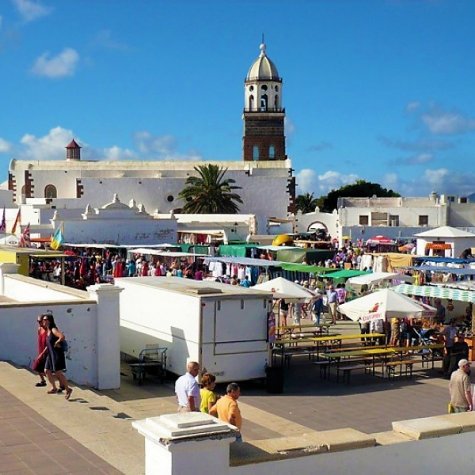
(93, 430)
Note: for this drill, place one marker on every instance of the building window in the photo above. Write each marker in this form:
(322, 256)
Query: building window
(264, 102)
(50, 191)
(393, 220)
(271, 152)
(170, 198)
(251, 103)
(423, 220)
(364, 220)
(276, 102)
(255, 152)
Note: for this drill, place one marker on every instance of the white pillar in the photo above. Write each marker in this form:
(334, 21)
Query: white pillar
(6, 268)
(186, 444)
(107, 334)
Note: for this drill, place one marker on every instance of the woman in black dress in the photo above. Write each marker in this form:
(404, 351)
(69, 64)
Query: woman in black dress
(55, 360)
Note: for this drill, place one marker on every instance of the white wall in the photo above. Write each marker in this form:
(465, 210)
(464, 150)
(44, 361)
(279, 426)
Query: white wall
(119, 231)
(76, 317)
(432, 456)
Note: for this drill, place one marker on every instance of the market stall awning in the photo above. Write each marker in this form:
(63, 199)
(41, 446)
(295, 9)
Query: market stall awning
(436, 292)
(439, 246)
(345, 274)
(445, 269)
(290, 266)
(155, 252)
(283, 288)
(384, 304)
(244, 261)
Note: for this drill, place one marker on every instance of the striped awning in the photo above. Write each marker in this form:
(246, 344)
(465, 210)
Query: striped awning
(433, 291)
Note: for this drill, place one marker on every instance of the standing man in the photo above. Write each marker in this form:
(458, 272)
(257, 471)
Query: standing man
(187, 389)
(449, 333)
(332, 301)
(227, 408)
(459, 388)
(317, 308)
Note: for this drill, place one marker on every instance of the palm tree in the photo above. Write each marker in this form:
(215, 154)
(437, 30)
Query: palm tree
(209, 192)
(306, 203)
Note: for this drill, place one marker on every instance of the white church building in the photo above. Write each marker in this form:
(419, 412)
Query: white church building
(264, 172)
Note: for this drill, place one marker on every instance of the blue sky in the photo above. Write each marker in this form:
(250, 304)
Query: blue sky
(381, 90)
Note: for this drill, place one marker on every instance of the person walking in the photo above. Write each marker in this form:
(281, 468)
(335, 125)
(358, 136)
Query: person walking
(460, 388)
(208, 396)
(39, 363)
(187, 389)
(227, 408)
(317, 308)
(55, 360)
(332, 302)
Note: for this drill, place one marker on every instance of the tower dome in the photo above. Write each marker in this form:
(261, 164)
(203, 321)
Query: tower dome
(262, 68)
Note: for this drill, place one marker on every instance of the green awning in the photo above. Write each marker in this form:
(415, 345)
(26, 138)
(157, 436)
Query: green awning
(234, 250)
(306, 268)
(438, 292)
(346, 274)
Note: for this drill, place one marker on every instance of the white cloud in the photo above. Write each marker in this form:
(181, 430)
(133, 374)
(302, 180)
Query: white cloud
(289, 127)
(64, 64)
(31, 10)
(309, 181)
(117, 153)
(447, 123)
(49, 147)
(412, 106)
(161, 147)
(104, 39)
(4, 146)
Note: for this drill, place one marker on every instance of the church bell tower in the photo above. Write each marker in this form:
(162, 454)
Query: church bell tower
(263, 115)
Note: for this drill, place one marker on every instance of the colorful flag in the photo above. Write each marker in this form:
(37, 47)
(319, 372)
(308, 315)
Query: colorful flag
(25, 240)
(17, 222)
(57, 239)
(3, 225)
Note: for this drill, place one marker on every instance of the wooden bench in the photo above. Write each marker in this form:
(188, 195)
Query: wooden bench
(150, 361)
(296, 351)
(391, 367)
(347, 370)
(323, 366)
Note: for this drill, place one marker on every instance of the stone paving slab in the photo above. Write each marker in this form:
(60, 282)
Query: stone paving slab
(30, 444)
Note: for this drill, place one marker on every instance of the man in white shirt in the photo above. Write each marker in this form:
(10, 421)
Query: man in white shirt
(187, 389)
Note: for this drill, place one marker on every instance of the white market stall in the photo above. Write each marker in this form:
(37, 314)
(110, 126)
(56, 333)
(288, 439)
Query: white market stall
(223, 327)
(445, 241)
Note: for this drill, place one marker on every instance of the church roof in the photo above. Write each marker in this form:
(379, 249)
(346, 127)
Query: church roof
(72, 144)
(263, 68)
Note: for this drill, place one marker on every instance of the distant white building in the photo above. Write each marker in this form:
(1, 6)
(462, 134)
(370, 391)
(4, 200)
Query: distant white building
(264, 173)
(362, 218)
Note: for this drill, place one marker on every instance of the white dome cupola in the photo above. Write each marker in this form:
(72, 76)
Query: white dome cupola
(263, 85)
(263, 115)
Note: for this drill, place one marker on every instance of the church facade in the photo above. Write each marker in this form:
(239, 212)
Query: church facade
(264, 173)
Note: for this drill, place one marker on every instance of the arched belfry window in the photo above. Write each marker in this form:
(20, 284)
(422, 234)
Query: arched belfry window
(264, 102)
(276, 102)
(255, 152)
(251, 103)
(271, 152)
(50, 191)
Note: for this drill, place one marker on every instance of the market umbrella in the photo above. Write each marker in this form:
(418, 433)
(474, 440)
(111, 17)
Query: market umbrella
(283, 288)
(380, 239)
(385, 304)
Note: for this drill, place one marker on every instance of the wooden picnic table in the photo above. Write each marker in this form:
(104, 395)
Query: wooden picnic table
(312, 346)
(313, 329)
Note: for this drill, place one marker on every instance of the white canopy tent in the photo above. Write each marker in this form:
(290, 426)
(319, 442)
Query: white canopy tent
(385, 304)
(371, 279)
(283, 288)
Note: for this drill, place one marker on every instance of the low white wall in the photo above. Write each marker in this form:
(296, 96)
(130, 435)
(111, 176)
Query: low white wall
(90, 321)
(15, 288)
(436, 456)
(19, 343)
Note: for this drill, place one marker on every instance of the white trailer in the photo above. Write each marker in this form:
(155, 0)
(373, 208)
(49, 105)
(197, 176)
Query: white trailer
(223, 327)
